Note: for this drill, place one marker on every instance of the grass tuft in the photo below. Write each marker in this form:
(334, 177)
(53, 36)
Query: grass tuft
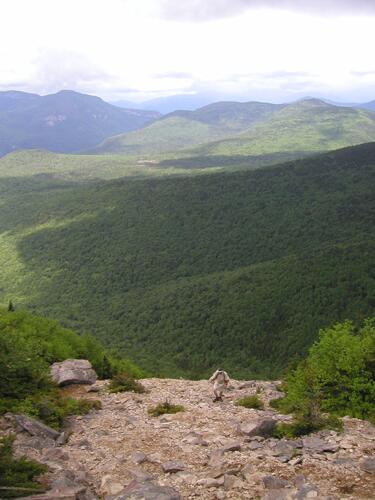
(251, 402)
(123, 382)
(163, 408)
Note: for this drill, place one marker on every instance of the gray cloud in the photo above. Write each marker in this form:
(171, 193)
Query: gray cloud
(206, 10)
(178, 75)
(363, 73)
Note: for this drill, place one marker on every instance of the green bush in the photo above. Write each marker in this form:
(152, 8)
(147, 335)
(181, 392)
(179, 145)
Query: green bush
(338, 375)
(123, 382)
(17, 475)
(302, 426)
(250, 402)
(28, 345)
(163, 408)
(52, 408)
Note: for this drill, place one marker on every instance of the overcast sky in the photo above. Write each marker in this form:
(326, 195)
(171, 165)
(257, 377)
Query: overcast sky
(270, 50)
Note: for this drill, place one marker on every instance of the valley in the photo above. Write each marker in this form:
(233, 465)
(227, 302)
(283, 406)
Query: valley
(248, 259)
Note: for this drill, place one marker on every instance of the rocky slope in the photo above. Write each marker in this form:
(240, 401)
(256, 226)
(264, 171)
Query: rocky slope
(209, 451)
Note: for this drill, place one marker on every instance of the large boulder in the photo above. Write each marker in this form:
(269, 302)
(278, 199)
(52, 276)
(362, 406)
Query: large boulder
(73, 371)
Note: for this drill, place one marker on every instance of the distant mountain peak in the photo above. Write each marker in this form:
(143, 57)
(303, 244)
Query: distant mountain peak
(66, 122)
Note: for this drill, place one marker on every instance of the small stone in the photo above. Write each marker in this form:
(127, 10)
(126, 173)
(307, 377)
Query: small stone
(283, 494)
(247, 472)
(139, 457)
(94, 388)
(221, 495)
(141, 475)
(154, 458)
(296, 461)
(274, 483)
(254, 445)
(55, 455)
(173, 466)
(229, 481)
(210, 482)
(216, 458)
(368, 465)
(299, 480)
(307, 491)
(217, 471)
(110, 485)
(236, 446)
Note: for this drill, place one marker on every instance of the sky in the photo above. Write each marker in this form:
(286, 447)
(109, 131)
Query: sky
(266, 50)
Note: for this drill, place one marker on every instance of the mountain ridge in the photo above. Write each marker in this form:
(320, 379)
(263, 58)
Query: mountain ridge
(229, 128)
(67, 121)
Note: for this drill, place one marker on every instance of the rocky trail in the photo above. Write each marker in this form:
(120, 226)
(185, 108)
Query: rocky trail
(209, 451)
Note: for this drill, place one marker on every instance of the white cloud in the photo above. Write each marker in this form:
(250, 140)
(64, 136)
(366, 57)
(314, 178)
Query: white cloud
(124, 49)
(198, 10)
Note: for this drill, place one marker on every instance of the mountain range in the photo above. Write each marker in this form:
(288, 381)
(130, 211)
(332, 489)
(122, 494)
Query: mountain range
(62, 122)
(231, 128)
(192, 102)
(69, 122)
(183, 129)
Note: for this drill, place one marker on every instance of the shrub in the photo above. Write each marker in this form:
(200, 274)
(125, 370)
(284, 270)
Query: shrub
(123, 382)
(29, 344)
(17, 475)
(250, 402)
(52, 408)
(163, 408)
(338, 375)
(302, 426)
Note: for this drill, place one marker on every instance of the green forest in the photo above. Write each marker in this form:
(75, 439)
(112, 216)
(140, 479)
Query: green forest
(183, 274)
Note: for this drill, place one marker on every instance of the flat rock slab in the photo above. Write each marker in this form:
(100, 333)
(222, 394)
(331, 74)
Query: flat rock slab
(317, 445)
(73, 371)
(146, 491)
(33, 427)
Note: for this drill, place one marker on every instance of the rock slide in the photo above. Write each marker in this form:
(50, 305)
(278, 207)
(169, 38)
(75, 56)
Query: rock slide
(209, 451)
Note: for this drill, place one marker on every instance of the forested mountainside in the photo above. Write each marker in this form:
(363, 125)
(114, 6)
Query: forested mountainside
(310, 125)
(182, 129)
(229, 129)
(184, 274)
(64, 122)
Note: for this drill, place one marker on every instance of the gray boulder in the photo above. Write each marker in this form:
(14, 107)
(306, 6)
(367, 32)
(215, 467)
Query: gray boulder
(73, 371)
(261, 427)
